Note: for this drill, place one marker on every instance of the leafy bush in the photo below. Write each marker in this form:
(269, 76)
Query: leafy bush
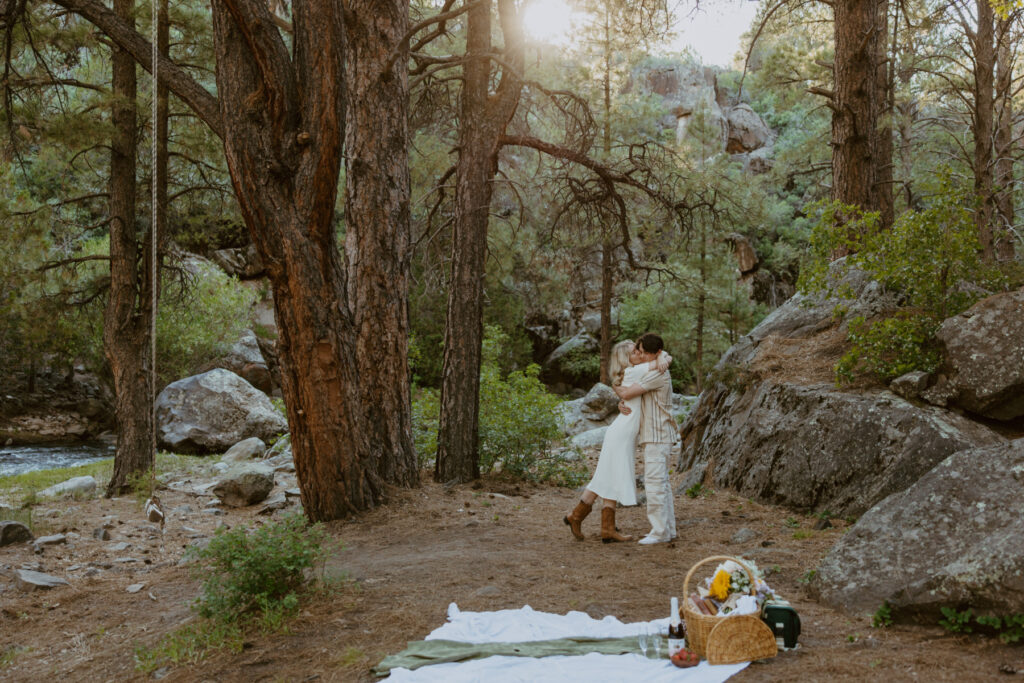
(956, 621)
(930, 257)
(257, 572)
(882, 618)
(582, 364)
(891, 347)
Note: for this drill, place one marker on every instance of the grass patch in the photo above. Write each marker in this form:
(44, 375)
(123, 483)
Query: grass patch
(190, 644)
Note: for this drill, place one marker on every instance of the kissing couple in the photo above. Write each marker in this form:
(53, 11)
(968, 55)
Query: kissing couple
(640, 377)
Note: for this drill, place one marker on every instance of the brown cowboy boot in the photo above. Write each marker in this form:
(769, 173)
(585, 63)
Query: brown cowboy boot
(575, 518)
(608, 532)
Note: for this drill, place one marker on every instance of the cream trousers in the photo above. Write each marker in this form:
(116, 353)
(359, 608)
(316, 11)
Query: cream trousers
(661, 510)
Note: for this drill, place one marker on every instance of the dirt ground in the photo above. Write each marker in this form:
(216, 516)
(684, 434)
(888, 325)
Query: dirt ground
(492, 545)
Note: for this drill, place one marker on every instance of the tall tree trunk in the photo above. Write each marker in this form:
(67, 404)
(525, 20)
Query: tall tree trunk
(607, 245)
(283, 124)
(607, 291)
(882, 145)
(126, 317)
(982, 125)
(1004, 142)
(698, 358)
(377, 218)
(855, 103)
(483, 120)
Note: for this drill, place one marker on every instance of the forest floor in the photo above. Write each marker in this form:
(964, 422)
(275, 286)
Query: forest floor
(491, 545)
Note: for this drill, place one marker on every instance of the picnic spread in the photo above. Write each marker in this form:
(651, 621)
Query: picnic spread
(526, 645)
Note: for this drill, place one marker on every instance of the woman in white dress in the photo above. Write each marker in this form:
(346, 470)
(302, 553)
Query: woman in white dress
(613, 479)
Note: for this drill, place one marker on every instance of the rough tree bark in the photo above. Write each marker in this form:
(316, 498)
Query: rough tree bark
(1004, 141)
(377, 216)
(982, 124)
(282, 118)
(483, 120)
(882, 102)
(126, 340)
(857, 101)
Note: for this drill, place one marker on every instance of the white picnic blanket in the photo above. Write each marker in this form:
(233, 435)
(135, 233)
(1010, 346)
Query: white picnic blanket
(524, 624)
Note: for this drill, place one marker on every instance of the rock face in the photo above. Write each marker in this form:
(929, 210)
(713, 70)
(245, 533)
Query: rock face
(769, 427)
(953, 539)
(815, 448)
(246, 359)
(554, 370)
(244, 485)
(211, 412)
(12, 532)
(81, 485)
(984, 357)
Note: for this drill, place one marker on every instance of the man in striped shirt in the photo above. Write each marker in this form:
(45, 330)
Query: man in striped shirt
(657, 433)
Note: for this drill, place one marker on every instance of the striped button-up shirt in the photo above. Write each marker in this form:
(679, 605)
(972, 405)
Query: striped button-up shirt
(656, 422)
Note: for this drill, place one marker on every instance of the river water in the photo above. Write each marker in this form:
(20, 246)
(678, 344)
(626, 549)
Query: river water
(18, 459)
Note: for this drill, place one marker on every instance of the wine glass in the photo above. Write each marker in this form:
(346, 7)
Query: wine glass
(656, 642)
(641, 639)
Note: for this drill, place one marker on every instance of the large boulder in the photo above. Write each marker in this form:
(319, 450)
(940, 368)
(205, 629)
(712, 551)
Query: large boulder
(555, 370)
(812, 447)
(246, 359)
(245, 450)
(211, 412)
(983, 370)
(245, 484)
(573, 420)
(952, 539)
(600, 402)
(747, 130)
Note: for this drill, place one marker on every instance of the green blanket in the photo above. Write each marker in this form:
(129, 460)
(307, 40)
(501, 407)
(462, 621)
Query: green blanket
(424, 652)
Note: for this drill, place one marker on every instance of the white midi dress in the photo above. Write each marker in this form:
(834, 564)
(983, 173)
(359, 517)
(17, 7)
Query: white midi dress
(614, 476)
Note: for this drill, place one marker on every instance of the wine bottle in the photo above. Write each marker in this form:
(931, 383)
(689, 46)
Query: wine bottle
(676, 638)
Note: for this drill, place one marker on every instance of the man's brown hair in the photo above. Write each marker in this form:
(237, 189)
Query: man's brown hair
(650, 342)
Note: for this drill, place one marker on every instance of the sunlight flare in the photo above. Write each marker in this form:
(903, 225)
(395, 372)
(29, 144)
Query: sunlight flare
(548, 21)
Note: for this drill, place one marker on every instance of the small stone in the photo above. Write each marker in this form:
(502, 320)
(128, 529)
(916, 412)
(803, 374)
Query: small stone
(42, 541)
(276, 502)
(91, 571)
(293, 493)
(216, 512)
(135, 587)
(31, 580)
(822, 524)
(119, 547)
(14, 532)
(125, 560)
(246, 449)
(101, 534)
(80, 485)
(744, 535)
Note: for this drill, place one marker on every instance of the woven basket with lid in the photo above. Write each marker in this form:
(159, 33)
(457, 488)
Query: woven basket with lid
(725, 639)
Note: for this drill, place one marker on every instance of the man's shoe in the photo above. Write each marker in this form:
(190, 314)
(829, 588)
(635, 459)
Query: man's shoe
(651, 540)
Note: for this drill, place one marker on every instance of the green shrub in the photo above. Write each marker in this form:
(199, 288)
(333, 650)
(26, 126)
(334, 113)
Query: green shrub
(582, 364)
(930, 257)
(890, 347)
(426, 410)
(257, 572)
(882, 618)
(956, 621)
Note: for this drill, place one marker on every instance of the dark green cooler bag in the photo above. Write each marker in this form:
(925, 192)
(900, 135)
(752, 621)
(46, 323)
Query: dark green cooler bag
(783, 620)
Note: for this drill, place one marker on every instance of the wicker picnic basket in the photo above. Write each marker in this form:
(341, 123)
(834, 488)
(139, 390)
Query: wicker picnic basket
(725, 639)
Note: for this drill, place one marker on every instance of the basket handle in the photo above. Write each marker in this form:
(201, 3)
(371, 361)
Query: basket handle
(753, 579)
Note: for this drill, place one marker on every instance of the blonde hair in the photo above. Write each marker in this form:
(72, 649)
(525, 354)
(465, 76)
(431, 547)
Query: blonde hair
(619, 361)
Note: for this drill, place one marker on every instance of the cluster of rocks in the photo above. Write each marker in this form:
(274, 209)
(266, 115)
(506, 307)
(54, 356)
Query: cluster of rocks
(937, 490)
(250, 474)
(691, 92)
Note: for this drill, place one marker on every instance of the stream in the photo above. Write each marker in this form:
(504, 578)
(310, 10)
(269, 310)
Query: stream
(19, 459)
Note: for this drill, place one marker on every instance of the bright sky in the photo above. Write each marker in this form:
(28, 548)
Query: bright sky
(713, 32)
